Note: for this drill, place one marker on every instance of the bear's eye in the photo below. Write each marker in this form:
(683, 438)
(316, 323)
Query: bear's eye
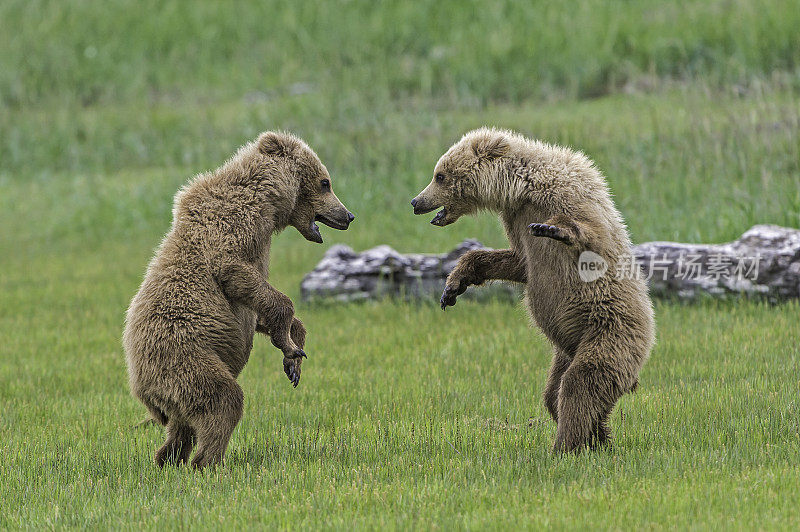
(440, 178)
(326, 184)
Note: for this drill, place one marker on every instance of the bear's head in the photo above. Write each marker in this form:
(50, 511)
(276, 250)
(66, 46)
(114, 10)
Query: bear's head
(315, 200)
(465, 176)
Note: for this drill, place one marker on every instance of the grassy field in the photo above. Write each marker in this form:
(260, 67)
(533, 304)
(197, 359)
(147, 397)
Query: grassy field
(405, 416)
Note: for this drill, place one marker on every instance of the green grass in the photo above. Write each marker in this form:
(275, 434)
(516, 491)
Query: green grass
(405, 416)
(88, 52)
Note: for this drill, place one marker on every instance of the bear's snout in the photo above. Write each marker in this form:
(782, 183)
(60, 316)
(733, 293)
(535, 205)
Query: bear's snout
(421, 206)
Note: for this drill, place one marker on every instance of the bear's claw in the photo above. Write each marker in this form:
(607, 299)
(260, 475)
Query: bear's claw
(292, 370)
(450, 294)
(447, 300)
(549, 231)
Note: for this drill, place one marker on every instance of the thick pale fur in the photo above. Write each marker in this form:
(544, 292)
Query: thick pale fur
(602, 331)
(189, 330)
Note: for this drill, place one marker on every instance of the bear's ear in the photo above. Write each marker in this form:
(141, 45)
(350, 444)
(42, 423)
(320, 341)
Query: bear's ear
(275, 144)
(490, 146)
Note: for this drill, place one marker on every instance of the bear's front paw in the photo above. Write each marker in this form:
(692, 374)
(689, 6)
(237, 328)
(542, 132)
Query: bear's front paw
(550, 231)
(451, 292)
(291, 366)
(293, 352)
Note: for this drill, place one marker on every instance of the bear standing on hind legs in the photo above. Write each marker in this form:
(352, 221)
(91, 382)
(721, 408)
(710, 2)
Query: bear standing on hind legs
(554, 205)
(189, 330)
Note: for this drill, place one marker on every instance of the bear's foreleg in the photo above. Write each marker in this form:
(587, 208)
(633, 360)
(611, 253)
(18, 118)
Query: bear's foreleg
(291, 366)
(477, 266)
(246, 284)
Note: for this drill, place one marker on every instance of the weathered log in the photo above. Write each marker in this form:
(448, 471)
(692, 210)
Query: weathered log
(764, 262)
(344, 275)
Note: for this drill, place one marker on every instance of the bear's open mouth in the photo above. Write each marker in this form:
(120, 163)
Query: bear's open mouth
(439, 218)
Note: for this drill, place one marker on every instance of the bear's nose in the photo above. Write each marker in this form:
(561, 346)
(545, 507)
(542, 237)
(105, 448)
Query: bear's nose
(350, 217)
(414, 202)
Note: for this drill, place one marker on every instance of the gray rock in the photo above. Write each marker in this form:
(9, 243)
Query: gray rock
(764, 262)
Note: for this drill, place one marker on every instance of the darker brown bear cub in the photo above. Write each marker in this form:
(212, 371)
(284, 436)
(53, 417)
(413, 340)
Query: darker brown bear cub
(189, 330)
(554, 205)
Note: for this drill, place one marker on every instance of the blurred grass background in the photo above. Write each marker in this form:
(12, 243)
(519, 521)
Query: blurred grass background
(106, 108)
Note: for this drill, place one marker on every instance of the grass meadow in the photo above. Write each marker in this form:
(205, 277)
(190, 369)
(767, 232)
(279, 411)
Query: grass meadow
(405, 417)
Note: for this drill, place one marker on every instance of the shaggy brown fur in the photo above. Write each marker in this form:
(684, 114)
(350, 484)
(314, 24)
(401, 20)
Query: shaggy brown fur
(554, 204)
(189, 329)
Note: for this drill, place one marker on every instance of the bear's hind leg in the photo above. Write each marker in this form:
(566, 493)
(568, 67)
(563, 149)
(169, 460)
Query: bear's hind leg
(214, 423)
(558, 366)
(601, 435)
(178, 446)
(589, 390)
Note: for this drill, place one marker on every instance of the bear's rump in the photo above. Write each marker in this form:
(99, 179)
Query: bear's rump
(181, 389)
(163, 338)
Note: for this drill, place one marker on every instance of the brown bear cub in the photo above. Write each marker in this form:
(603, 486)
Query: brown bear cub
(555, 205)
(189, 329)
